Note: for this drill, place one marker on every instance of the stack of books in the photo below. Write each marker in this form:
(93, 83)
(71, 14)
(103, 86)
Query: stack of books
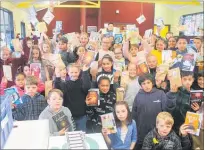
(76, 140)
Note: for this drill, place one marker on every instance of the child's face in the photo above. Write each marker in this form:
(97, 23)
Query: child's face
(187, 81)
(160, 45)
(105, 43)
(20, 81)
(163, 128)
(152, 62)
(118, 53)
(46, 48)
(26, 71)
(147, 86)
(133, 51)
(35, 54)
(104, 86)
(197, 43)
(110, 27)
(29, 44)
(62, 46)
(181, 44)
(80, 51)
(5, 54)
(132, 70)
(121, 112)
(74, 73)
(107, 65)
(169, 35)
(172, 42)
(31, 90)
(55, 101)
(63, 73)
(83, 40)
(200, 82)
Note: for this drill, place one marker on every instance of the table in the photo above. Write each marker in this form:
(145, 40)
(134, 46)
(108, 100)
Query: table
(92, 141)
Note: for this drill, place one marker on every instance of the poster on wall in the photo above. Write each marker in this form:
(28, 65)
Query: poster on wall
(48, 17)
(59, 26)
(91, 29)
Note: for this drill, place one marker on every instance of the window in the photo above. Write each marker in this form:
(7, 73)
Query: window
(23, 30)
(193, 22)
(6, 27)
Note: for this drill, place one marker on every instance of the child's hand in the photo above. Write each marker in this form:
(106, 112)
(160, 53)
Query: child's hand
(184, 129)
(85, 67)
(57, 72)
(62, 132)
(116, 76)
(88, 99)
(4, 80)
(104, 131)
(195, 106)
(158, 82)
(174, 88)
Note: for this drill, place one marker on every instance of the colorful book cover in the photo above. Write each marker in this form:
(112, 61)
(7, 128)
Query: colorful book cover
(88, 57)
(174, 77)
(188, 62)
(124, 79)
(118, 38)
(196, 96)
(95, 36)
(142, 68)
(120, 92)
(162, 71)
(194, 121)
(166, 56)
(94, 97)
(61, 120)
(108, 122)
(7, 72)
(35, 69)
(14, 95)
(133, 37)
(59, 26)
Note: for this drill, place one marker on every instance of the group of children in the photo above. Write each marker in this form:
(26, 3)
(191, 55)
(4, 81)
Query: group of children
(150, 116)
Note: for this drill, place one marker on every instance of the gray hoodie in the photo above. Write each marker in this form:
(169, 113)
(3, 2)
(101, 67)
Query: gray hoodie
(47, 113)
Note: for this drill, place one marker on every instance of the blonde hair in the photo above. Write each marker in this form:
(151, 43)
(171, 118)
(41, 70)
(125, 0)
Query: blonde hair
(59, 92)
(167, 117)
(31, 80)
(84, 33)
(73, 65)
(4, 48)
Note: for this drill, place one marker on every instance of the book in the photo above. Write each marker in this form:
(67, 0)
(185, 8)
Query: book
(196, 96)
(14, 95)
(116, 30)
(35, 69)
(94, 96)
(124, 79)
(88, 57)
(91, 29)
(188, 62)
(48, 87)
(162, 71)
(17, 45)
(118, 38)
(120, 92)
(61, 120)
(95, 36)
(148, 33)
(166, 56)
(194, 121)
(142, 68)
(59, 26)
(174, 77)
(133, 37)
(7, 72)
(108, 122)
(55, 60)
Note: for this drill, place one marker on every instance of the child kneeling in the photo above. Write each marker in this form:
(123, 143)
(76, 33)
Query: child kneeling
(162, 137)
(55, 112)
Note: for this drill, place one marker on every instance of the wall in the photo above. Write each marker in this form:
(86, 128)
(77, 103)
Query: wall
(19, 15)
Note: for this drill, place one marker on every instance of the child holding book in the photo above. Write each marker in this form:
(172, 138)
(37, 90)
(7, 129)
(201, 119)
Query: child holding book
(147, 104)
(162, 136)
(75, 91)
(52, 111)
(119, 61)
(79, 53)
(33, 102)
(126, 135)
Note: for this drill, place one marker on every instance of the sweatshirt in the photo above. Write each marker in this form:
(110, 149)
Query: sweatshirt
(47, 113)
(145, 110)
(74, 93)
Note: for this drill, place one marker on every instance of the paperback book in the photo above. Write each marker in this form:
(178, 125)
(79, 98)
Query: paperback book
(61, 120)
(93, 97)
(162, 71)
(174, 77)
(88, 57)
(142, 68)
(118, 38)
(35, 69)
(196, 96)
(108, 122)
(188, 62)
(14, 95)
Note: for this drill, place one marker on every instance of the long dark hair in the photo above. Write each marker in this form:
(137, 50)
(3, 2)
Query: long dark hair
(129, 115)
(107, 56)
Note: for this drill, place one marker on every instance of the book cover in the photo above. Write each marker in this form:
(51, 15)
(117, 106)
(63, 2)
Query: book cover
(95, 36)
(120, 92)
(55, 60)
(116, 30)
(133, 36)
(188, 62)
(166, 56)
(14, 95)
(61, 120)
(142, 68)
(17, 45)
(108, 122)
(124, 79)
(196, 96)
(162, 71)
(174, 77)
(7, 72)
(59, 26)
(148, 33)
(94, 97)
(194, 121)
(88, 57)
(48, 87)
(91, 29)
(118, 38)
(35, 69)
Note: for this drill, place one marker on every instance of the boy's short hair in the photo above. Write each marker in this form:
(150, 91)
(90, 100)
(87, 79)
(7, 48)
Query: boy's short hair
(167, 117)
(144, 77)
(5, 48)
(73, 65)
(103, 78)
(31, 80)
(200, 74)
(198, 38)
(55, 91)
(182, 37)
(186, 73)
(20, 73)
(63, 39)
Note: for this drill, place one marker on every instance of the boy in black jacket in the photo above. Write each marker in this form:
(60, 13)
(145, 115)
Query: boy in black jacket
(74, 93)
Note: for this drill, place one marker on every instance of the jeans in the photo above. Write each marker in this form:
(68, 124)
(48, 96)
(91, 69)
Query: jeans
(80, 123)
